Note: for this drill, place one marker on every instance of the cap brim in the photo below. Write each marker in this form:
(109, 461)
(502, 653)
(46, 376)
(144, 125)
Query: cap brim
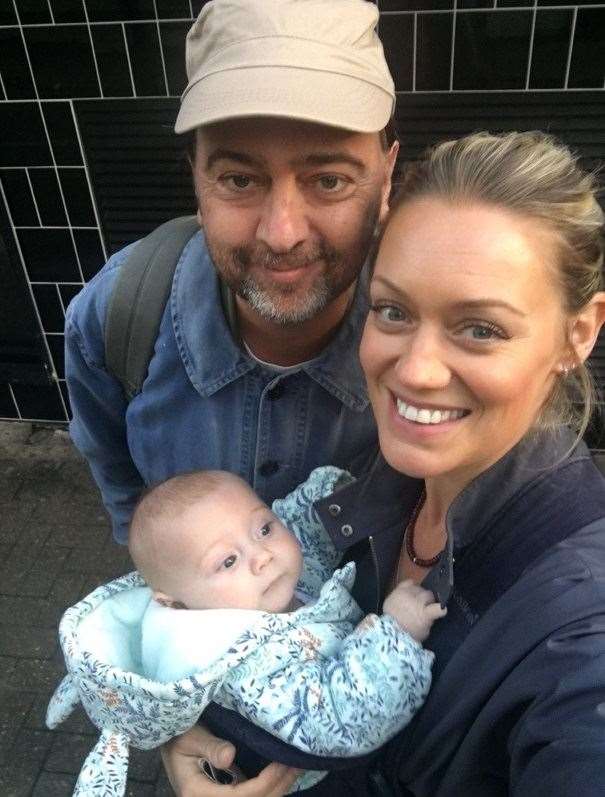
(321, 97)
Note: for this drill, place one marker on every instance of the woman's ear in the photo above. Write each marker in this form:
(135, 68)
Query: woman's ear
(586, 326)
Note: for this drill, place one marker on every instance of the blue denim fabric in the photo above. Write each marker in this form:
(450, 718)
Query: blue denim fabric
(205, 403)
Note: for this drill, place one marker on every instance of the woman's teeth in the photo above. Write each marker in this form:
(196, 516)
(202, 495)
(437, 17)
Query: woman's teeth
(419, 415)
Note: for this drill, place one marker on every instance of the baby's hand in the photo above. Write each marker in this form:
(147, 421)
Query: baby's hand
(414, 608)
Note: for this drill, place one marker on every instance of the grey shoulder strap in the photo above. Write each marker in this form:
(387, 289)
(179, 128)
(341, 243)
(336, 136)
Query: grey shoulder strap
(138, 300)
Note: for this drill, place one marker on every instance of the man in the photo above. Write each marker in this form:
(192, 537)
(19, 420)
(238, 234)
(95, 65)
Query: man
(286, 108)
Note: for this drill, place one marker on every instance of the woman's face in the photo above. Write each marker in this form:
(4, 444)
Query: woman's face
(465, 336)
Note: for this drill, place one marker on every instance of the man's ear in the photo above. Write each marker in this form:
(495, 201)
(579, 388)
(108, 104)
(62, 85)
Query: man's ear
(586, 326)
(389, 166)
(167, 600)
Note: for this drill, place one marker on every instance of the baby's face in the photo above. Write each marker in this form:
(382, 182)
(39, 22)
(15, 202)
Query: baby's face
(236, 554)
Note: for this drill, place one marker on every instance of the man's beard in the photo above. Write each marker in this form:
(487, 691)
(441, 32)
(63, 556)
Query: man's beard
(276, 303)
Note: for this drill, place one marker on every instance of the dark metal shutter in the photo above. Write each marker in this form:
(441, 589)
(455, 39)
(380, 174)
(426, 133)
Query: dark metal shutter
(23, 357)
(140, 174)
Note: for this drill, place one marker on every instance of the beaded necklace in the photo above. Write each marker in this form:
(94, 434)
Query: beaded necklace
(409, 538)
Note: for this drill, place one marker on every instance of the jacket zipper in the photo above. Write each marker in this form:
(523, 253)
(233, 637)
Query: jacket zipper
(376, 570)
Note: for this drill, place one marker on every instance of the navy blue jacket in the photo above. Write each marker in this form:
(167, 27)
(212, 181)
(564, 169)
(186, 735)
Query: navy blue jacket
(517, 705)
(518, 699)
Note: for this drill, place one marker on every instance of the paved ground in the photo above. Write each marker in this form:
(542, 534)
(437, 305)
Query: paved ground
(55, 547)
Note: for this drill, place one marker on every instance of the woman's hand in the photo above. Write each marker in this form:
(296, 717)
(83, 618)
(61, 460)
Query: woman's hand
(181, 756)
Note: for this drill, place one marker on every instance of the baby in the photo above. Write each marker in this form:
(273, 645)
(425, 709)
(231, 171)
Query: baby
(239, 607)
(316, 673)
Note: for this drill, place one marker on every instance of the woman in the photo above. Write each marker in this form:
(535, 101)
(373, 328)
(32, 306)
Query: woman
(485, 303)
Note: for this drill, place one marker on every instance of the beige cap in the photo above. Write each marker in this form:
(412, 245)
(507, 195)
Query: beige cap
(315, 60)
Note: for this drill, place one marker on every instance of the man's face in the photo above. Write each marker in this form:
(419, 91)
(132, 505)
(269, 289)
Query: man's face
(289, 209)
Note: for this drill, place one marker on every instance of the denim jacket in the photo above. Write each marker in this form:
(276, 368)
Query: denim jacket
(205, 403)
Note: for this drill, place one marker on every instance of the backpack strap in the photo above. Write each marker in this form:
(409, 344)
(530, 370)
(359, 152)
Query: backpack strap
(138, 301)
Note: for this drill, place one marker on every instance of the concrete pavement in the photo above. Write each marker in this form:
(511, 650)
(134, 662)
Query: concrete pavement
(55, 547)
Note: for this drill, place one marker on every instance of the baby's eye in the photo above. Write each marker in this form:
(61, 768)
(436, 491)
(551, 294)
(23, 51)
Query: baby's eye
(229, 561)
(265, 530)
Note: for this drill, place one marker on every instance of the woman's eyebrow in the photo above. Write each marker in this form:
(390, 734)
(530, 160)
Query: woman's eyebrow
(463, 304)
(488, 302)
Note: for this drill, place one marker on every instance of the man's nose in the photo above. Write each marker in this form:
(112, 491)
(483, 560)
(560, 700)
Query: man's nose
(423, 365)
(283, 223)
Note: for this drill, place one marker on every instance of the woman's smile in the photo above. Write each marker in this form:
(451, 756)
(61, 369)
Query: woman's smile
(420, 413)
(422, 422)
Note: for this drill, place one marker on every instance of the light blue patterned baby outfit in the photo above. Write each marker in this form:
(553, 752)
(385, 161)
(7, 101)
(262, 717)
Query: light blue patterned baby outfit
(320, 678)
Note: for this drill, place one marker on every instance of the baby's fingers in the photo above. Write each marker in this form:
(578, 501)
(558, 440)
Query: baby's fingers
(434, 611)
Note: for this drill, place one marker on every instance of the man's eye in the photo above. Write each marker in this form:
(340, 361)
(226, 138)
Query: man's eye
(239, 181)
(235, 182)
(331, 182)
(229, 561)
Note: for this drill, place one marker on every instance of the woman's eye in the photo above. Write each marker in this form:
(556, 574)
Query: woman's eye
(229, 561)
(389, 313)
(483, 331)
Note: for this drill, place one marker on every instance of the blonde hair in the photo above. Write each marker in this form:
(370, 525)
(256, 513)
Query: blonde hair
(535, 176)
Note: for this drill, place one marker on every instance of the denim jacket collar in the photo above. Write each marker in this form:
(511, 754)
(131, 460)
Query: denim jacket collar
(337, 368)
(197, 316)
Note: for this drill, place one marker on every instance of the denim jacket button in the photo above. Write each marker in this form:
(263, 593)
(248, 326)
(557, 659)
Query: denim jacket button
(276, 392)
(346, 530)
(269, 467)
(334, 510)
